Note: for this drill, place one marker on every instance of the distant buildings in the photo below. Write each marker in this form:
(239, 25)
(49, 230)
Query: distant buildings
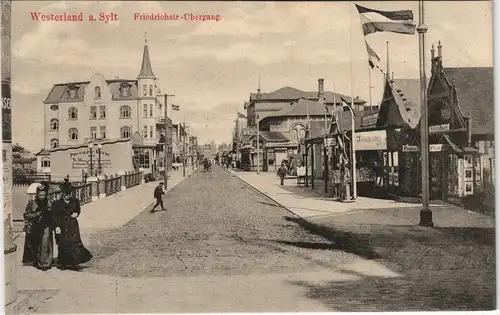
(286, 117)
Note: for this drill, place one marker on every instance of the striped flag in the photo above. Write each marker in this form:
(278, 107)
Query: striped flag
(373, 21)
(373, 58)
(347, 107)
(176, 107)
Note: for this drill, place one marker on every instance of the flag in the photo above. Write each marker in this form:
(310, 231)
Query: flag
(176, 107)
(373, 58)
(373, 21)
(240, 115)
(347, 107)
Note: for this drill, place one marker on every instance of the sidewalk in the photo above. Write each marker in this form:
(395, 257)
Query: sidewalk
(116, 210)
(308, 204)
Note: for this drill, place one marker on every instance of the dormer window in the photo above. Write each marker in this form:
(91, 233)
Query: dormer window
(124, 89)
(72, 91)
(97, 92)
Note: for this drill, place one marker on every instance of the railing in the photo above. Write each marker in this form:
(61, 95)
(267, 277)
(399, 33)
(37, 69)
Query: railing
(83, 193)
(132, 179)
(112, 185)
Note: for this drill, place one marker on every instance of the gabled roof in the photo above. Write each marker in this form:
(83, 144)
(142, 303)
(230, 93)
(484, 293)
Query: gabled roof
(475, 94)
(59, 92)
(289, 93)
(400, 106)
(146, 69)
(272, 106)
(301, 108)
(271, 136)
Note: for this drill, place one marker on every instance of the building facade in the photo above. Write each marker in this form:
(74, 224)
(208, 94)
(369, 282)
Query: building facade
(87, 111)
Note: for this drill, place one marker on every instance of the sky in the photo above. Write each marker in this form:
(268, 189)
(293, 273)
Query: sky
(212, 67)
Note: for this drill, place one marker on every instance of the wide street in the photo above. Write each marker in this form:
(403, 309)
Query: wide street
(222, 246)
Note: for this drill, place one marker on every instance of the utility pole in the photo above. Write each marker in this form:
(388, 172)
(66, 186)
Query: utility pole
(165, 161)
(184, 148)
(258, 145)
(425, 212)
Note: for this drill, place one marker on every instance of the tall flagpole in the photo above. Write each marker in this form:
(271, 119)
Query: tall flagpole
(425, 212)
(370, 88)
(353, 127)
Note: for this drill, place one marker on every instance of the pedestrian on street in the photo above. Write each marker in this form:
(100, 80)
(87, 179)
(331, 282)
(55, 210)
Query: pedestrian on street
(282, 173)
(158, 194)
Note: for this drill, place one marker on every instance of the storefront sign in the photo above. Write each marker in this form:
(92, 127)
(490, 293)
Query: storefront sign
(369, 120)
(6, 112)
(410, 148)
(371, 140)
(436, 147)
(439, 128)
(248, 131)
(114, 157)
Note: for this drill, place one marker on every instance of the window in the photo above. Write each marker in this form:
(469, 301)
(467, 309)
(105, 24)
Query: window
(54, 143)
(54, 124)
(73, 92)
(97, 92)
(45, 162)
(54, 107)
(93, 112)
(102, 112)
(73, 134)
(150, 90)
(151, 131)
(468, 174)
(124, 89)
(125, 132)
(142, 158)
(145, 90)
(145, 131)
(72, 113)
(125, 111)
(145, 110)
(294, 135)
(93, 132)
(302, 134)
(102, 131)
(151, 110)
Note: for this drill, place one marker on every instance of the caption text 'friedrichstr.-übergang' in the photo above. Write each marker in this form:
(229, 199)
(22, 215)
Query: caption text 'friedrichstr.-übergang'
(113, 17)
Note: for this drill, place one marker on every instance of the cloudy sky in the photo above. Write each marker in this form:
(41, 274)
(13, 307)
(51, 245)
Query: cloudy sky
(212, 67)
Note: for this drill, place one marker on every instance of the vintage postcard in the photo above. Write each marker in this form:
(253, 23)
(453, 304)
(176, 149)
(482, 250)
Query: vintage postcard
(222, 157)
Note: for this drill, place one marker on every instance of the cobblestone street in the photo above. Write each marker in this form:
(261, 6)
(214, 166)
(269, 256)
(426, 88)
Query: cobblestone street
(215, 225)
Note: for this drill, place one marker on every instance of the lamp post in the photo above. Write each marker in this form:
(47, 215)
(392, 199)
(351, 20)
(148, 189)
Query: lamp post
(91, 166)
(165, 160)
(99, 166)
(258, 144)
(425, 212)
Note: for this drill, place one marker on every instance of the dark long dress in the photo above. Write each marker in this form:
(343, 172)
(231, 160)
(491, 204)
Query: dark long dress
(38, 245)
(71, 251)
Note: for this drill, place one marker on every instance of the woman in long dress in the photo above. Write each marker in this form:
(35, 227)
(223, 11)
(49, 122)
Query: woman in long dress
(38, 245)
(71, 252)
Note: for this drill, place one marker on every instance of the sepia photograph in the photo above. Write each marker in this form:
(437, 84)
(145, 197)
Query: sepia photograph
(248, 157)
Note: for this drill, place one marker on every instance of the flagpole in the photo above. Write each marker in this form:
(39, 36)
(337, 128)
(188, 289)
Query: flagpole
(353, 132)
(370, 88)
(425, 212)
(258, 143)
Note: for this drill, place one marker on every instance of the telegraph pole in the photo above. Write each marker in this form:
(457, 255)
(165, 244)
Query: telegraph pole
(425, 212)
(165, 162)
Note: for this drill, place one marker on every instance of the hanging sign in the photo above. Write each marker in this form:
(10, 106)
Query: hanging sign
(330, 142)
(6, 112)
(371, 140)
(369, 120)
(439, 128)
(436, 147)
(410, 148)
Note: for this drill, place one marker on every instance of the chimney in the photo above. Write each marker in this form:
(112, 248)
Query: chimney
(433, 52)
(321, 88)
(440, 50)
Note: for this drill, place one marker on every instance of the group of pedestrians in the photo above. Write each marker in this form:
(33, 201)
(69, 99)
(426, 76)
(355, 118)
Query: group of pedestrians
(45, 221)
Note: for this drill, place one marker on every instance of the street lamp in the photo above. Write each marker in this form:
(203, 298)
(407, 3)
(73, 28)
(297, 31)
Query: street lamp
(91, 146)
(99, 166)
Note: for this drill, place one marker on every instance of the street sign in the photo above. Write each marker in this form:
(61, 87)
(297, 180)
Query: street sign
(439, 128)
(410, 148)
(436, 147)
